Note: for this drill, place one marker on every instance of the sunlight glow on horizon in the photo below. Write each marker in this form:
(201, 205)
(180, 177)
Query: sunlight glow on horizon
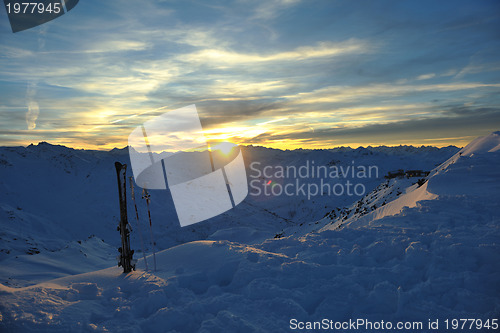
(282, 145)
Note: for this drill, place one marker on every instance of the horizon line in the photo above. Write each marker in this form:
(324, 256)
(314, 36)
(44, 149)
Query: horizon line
(246, 146)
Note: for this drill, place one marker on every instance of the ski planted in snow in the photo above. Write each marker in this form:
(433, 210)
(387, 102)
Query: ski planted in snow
(125, 259)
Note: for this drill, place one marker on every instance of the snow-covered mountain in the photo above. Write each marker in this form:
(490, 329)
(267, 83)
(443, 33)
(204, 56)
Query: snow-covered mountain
(301, 209)
(409, 250)
(53, 195)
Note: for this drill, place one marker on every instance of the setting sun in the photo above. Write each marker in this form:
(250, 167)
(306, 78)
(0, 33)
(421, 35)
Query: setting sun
(224, 147)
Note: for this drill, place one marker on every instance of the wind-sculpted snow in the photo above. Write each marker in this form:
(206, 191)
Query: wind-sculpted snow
(431, 253)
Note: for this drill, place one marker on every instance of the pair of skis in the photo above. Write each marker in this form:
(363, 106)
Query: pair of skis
(125, 259)
(145, 195)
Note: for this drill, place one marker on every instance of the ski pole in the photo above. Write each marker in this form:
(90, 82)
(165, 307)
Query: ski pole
(147, 197)
(138, 224)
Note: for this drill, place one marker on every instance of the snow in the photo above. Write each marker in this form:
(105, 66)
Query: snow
(76, 257)
(410, 199)
(430, 252)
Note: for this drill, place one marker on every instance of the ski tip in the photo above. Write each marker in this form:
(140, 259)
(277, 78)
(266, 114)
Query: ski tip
(120, 166)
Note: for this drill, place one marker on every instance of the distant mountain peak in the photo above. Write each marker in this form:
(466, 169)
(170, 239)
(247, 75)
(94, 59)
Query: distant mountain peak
(45, 146)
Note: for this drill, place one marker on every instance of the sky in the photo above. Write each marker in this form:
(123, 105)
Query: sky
(277, 73)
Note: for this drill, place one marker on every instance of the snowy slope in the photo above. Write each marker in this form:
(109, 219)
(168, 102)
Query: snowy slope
(300, 209)
(393, 196)
(432, 255)
(453, 178)
(388, 198)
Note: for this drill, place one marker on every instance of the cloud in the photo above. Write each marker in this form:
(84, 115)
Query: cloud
(216, 114)
(321, 50)
(112, 46)
(32, 114)
(333, 94)
(15, 52)
(426, 76)
(475, 121)
(33, 108)
(477, 68)
(269, 9)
